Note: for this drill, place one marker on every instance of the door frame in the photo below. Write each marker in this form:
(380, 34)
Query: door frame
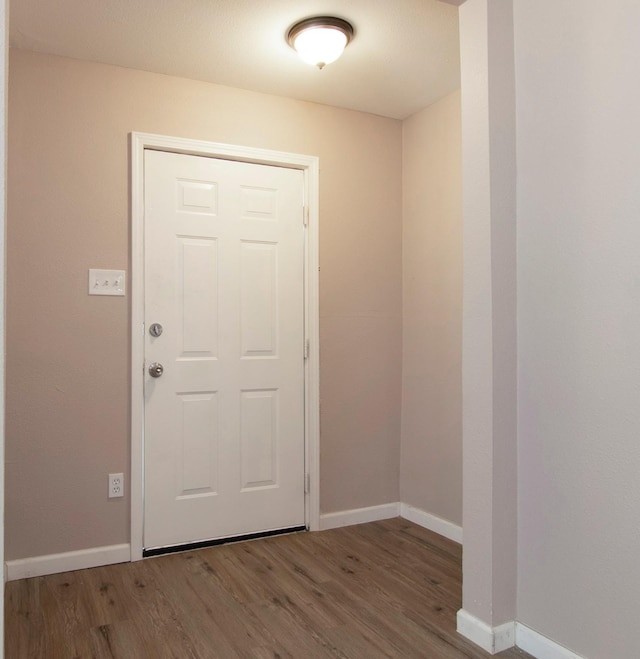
(309, 165)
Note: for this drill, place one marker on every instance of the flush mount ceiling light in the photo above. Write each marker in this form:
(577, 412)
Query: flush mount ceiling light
(320, 40)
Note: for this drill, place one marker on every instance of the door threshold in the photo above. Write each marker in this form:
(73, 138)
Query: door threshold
(202, 544)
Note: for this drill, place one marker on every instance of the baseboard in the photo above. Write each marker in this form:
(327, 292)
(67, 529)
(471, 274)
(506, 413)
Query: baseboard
(540, 646)
(77, 560)
(38, 566)
(359, 516)
(431, 522)
(490, 639)
(503, 637)
(388, 511)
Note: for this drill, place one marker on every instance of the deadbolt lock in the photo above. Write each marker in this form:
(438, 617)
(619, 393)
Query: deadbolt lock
(155, 329)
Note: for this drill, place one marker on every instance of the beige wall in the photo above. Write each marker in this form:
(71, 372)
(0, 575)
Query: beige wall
(431, 449)
(578, 104)
(67, 353)
(489, 338)
(4, 46)
(578, 201)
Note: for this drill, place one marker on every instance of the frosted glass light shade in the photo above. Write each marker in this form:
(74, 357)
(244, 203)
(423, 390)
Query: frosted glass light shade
(320, 45)
(320, 41)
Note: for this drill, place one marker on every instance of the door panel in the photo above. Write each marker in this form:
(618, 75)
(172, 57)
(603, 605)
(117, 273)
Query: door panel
(258, 438)
(258, 295)
(224, 424)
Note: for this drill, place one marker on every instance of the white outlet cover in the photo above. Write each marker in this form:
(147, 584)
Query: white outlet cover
(107, 282)
(116, 485)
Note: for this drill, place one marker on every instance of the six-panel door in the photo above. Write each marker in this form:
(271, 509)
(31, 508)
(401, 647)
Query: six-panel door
(224, 423)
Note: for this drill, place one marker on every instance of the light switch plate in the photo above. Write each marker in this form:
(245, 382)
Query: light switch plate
(107, 282)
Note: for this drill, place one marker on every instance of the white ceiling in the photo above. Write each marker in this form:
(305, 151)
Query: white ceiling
(404, 55)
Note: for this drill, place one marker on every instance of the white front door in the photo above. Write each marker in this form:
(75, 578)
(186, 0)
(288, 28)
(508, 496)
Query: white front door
(224, 422)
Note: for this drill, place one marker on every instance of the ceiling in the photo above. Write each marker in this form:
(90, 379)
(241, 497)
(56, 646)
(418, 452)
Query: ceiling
(405, 54)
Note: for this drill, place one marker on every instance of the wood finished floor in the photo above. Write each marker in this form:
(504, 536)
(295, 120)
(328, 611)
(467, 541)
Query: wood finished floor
(385, 589)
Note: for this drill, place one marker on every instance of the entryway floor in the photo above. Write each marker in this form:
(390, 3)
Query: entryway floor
(383, 589)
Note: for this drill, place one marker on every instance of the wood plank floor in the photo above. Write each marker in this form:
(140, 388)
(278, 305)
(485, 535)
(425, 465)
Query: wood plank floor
(385, 589)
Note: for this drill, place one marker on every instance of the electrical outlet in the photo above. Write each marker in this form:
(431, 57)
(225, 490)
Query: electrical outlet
(116, 485)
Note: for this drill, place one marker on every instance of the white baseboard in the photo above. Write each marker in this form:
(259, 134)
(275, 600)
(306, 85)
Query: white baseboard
(359, 516)
(503, 637)
(540, 646)
(38, 566)
(77, 560)
(490, 639)
(388, 511)
(431, 522)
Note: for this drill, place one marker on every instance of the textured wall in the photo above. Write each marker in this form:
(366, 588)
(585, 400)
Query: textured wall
(431, 449)
(489, 337)
(4, 15)
(67, 353)
(579, 318)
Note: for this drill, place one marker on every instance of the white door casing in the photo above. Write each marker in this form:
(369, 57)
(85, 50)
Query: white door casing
(203, 399)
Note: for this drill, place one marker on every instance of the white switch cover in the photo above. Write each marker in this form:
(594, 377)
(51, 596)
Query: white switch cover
(107, 282)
